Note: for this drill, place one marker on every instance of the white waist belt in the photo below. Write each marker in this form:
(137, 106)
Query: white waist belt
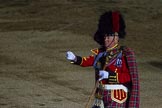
(115, 87)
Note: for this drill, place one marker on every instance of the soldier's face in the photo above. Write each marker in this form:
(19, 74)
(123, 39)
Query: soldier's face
(110, 41)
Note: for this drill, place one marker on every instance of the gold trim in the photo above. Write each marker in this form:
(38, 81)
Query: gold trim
(72, 62)
(117, 79)
(120, 94)
(116, 94)
(82, 61)
(95, 51)
(85, 58)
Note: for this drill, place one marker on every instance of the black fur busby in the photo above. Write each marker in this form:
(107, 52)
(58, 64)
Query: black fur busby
(109, 23)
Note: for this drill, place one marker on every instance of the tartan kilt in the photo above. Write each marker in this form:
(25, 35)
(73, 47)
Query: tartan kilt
(109, 103)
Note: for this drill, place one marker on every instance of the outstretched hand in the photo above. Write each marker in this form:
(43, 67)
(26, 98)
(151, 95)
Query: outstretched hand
(70, 56)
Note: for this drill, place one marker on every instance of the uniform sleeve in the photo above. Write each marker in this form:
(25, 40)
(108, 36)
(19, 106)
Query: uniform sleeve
(134, 93)
(85, 61)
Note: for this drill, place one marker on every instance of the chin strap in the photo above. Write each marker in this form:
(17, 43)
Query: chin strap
(108, 49)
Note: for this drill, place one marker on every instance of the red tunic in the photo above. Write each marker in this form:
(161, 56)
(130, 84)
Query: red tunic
(123, 75)
(126, 75)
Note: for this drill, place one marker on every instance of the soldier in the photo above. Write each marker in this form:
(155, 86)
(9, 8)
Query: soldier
(115, 65)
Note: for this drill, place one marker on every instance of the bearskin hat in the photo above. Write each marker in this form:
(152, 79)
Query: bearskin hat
(110, 22)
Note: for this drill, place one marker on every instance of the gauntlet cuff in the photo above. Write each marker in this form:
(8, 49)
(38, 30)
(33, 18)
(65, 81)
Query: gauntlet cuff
(78, 60)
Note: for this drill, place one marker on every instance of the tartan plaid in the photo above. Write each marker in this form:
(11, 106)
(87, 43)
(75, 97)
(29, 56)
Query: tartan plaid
(109, 103)
(132, 65)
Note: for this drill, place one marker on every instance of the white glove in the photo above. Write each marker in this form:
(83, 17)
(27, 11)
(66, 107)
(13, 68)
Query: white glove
(70, 56)
(103, 75)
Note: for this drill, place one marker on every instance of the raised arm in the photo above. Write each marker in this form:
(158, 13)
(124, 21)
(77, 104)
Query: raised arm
(78, 60)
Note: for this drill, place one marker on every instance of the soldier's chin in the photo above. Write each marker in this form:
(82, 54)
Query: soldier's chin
(107, 45)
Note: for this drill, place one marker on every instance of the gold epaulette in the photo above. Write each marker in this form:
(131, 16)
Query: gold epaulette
(95, 51)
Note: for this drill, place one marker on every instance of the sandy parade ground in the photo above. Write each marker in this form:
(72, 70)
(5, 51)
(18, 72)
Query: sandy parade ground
(34, 36)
